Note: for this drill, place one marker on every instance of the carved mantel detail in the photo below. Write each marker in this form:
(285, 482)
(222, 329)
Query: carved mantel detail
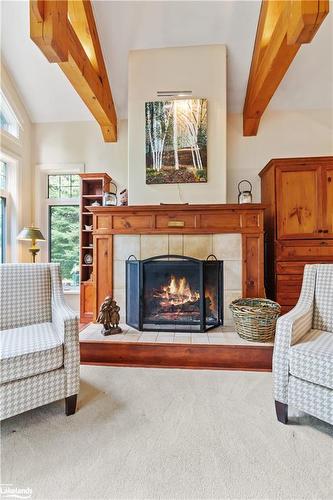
(248, 220)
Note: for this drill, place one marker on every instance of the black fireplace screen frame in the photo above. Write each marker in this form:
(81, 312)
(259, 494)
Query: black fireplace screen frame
(135, 301)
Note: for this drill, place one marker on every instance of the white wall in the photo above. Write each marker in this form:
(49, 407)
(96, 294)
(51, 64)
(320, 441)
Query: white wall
(281, 135)
(82, 142)
(17, 153)
(201, 69)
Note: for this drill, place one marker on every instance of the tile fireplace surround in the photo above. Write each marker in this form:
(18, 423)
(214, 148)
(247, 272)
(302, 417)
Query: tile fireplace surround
(226, 247)
(234, 233)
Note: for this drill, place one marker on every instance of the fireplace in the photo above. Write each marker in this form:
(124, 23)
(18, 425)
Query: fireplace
(174, 293)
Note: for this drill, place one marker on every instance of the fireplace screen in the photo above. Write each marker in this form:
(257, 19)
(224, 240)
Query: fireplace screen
(174, 293)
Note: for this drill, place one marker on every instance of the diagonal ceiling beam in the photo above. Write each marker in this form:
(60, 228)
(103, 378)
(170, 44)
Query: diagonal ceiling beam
(65, 31)
(282, 27)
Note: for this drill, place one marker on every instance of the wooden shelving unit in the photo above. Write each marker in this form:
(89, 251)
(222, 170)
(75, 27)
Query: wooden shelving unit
(92, 189)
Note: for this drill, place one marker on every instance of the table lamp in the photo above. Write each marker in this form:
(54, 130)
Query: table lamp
(33, 234)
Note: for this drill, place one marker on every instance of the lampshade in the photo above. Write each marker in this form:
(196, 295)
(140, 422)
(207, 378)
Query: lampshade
(31, 233)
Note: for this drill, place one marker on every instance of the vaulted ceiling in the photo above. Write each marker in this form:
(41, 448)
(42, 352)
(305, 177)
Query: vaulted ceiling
(125, 26)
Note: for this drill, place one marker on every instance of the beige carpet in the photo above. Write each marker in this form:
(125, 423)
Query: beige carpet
(168, 434)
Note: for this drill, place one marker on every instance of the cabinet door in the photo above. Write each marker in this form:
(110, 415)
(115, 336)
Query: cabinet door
(298, 206)
(103, 269)
(327, 184)
(86, 302)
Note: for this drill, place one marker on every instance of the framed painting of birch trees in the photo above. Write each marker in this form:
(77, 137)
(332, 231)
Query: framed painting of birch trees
(176, 141)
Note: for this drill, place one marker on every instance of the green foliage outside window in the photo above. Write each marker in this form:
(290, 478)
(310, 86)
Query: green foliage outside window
(64, 241)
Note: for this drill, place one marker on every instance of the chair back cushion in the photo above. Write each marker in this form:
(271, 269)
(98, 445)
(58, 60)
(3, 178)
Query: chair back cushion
(323, 299)
(25, 295)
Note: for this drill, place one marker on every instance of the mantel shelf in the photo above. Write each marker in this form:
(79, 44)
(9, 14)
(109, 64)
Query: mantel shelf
(177, 207)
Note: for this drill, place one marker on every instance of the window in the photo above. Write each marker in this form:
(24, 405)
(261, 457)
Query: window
(3, 175)
(64, 226)
(63, 186)
(2, 229)
(8, 120)
(3, 199)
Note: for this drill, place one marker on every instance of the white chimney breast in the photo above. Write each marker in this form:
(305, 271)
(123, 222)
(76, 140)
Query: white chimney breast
(201, 69)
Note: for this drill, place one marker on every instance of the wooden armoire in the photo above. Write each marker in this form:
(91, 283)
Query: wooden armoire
(298, 193)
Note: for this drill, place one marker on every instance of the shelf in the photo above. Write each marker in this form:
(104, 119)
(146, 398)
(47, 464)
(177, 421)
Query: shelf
(92, 189)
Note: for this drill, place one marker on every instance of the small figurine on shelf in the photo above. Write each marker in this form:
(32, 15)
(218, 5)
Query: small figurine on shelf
(109, 316)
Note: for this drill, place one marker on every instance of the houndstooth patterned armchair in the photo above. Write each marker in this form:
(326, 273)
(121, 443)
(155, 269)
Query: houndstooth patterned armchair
(40, 358)
(303, 350)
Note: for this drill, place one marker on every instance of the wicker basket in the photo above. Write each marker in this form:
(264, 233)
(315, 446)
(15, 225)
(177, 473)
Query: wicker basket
(255, 319)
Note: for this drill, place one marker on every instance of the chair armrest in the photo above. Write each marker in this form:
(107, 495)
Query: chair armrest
(66, 324)
(289, 329)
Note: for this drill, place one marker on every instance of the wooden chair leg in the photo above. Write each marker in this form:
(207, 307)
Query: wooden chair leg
(281, 412)
(70, 404)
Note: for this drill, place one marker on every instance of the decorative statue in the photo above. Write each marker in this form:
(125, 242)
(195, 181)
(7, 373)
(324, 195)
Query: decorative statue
(109, 317)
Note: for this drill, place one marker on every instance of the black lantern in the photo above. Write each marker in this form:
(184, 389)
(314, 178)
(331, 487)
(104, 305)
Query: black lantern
(244, 195)
(110, 198)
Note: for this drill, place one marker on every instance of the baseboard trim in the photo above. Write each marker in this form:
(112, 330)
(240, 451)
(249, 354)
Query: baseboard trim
(195, 356)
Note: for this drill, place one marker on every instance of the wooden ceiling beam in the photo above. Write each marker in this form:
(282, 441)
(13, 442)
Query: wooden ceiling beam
(78, 19)
(282, 28)
(48, 28)
(305, 19)
(66, 33)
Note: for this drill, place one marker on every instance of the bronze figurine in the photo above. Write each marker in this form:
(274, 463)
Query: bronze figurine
(109, 317)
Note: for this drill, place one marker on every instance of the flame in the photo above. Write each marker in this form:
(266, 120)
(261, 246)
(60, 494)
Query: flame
(177, 292)
(212, 298)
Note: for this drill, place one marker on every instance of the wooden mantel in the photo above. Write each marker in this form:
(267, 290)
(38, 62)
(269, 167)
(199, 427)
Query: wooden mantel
(248, 220)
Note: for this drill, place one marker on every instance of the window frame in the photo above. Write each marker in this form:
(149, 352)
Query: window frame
(3, 216)
(51, 202)
(4, 195)
(43, 202)
(70, 186)
(9, 109)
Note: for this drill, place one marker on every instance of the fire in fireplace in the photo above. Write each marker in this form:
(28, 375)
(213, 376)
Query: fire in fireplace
(174, 293)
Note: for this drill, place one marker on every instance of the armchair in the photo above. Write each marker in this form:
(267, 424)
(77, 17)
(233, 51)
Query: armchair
(40, 358)
(303, 350)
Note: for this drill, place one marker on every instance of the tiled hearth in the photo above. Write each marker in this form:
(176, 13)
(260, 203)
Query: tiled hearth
(223, 335)
(226, 247)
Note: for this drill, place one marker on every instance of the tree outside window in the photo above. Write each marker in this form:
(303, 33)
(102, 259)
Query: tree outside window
(64, 220)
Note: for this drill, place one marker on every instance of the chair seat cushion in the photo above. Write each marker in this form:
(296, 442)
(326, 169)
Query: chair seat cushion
(29, 350)
(311, 358)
